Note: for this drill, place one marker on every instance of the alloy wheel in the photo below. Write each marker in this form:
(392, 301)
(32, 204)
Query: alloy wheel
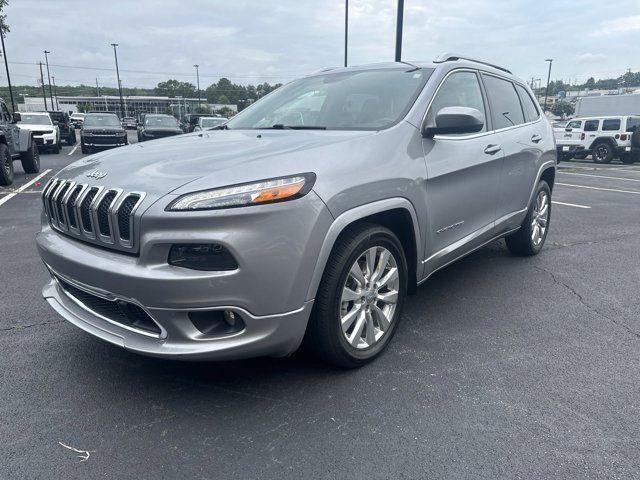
(369, 297)
(601, 152)
(540, 218)
(7, 165)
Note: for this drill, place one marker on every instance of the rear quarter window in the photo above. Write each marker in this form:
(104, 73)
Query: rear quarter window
(506, 110)
(611, 125)
(632, 123)
(531, 112)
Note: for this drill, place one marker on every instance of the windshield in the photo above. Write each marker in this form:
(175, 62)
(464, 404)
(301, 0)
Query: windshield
(35, 119)
(212, 122)
(102, 121)
(348, 100)
(160, 122)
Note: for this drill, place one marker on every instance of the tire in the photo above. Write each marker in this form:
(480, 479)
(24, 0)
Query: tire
(56, 148)
(523, 242)
(580, 156)
(370, 332)
(83, 147)
(31, 159)
(602, 153)
(71, 139)
(627, 158)
(6, 166)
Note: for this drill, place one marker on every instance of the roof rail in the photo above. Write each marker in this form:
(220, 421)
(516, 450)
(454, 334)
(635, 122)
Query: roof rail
(452, 57)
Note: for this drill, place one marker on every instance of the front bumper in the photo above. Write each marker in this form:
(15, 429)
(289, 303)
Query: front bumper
(46, 140)
(276, 247)
(275, 335)
(570, 148)
(90, 143)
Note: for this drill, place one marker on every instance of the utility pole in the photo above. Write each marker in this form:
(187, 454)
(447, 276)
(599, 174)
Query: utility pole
(44, 92)
(115, 54)
(198, 79)
(97, 88)
(399, 20)
(46, 59)
(346, 29)
(6, 66)
(546, 92)
(55, 93)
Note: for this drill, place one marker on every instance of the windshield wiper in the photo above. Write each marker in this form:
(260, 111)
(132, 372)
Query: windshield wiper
(219, 127)
(281, 126)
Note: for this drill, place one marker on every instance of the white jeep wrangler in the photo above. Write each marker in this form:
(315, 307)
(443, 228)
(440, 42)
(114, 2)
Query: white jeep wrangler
(604, 138)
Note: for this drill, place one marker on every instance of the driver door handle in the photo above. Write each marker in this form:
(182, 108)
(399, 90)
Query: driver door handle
(536, 138)
(492, 149)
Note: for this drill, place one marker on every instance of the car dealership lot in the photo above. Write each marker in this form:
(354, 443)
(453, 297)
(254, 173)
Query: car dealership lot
(502, 367)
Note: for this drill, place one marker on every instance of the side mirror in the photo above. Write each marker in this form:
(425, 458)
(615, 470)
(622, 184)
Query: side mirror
(16, 117)
(455, 120)
(568, 129)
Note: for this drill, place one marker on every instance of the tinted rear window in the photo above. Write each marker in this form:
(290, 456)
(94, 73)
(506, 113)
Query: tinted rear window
(506, 110)
(530, 109)
(632, 123)
(611, 125)
(591, 125)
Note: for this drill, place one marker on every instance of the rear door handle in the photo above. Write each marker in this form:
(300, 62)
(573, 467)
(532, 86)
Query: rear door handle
(492, 149)
(536, 138)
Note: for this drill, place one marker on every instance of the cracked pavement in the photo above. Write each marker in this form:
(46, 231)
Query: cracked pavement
(502, 367)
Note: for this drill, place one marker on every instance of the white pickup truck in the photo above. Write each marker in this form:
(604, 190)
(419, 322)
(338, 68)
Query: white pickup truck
(604, 138)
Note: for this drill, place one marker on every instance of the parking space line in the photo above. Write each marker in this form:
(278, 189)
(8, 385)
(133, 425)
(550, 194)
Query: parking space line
(569, 204)
(23, 187)
(600, 176)
(599, 188)
(73, 149)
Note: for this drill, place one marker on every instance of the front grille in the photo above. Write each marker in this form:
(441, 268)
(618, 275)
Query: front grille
(92, 213)
(119, 311)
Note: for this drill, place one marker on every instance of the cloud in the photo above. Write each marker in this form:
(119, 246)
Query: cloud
(617, 26)
(589, 57)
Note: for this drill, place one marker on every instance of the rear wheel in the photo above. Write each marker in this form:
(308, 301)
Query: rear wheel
(360, 298)
(71, 139)
(626, 158)
(6, 166)
(83, 147)
(602, 153)
(533, 231)
(31, 159)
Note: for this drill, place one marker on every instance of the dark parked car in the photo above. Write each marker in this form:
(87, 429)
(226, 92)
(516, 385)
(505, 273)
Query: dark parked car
(102, 130)
(158, 126)
(67, 129)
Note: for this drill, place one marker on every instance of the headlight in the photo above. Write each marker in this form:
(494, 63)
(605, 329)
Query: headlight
(265, 191)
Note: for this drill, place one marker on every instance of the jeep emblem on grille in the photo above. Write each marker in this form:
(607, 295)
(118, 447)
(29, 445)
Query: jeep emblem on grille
(97, 174)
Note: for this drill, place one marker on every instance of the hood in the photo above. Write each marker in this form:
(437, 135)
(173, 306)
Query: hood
(32, 128)
(163, 129)
(212, 158)
(102, 128)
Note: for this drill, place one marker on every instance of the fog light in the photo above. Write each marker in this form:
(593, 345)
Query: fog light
(216, 323)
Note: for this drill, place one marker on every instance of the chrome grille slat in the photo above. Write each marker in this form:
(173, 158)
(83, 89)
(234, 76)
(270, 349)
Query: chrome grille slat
(96, 214)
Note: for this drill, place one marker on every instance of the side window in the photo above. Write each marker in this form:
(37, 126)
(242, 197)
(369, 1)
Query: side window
(460, 89)
(531, 112)
(506, 110)
(591, 125)
(576, 124)
(611, 125)
(632, 123)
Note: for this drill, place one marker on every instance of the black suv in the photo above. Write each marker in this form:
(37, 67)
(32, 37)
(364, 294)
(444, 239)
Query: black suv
(158, 126)
(67, 130)
(15, 144)
(102, 130)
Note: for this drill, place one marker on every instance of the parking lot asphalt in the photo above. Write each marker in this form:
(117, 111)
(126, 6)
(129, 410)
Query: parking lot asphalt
(502, 367)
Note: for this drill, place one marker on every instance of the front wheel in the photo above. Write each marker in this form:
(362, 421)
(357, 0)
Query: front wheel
(530, 238)
(84, 148)
(360, 297)
(627, 158)
(31, 159)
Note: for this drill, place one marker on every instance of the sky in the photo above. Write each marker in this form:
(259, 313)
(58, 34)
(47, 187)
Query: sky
(251, 41)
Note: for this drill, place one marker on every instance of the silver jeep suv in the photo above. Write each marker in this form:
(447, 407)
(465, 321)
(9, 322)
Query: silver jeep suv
(305, 219)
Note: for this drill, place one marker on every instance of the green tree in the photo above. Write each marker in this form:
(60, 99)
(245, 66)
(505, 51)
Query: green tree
(4, 27)
(561, 107)
(225, 112)
(590, 83)
(222, 99)
(175, 88)
(83, 107)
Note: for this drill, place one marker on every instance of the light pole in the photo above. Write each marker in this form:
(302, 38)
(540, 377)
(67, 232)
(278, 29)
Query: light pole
(46, 59)
(115, 54)
(198, 80)
(546, 92)
(399, 20)
(346, 29)
(6, 66)
(44, 92)
(55, 92)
